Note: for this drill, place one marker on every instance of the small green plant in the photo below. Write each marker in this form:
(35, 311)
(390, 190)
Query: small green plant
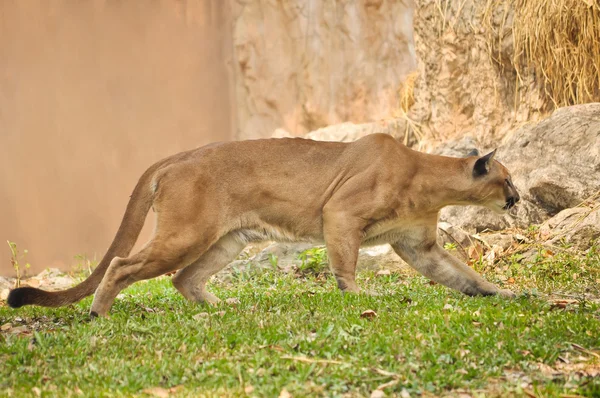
(314, 261)
(84, 266)
(17, 259)
(450, 246)
(273, 260)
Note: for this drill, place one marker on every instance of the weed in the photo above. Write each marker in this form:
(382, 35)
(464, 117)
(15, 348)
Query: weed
(83, 266)
(16, 259)
(313, 261)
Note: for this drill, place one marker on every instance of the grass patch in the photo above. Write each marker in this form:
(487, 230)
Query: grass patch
(302, 335)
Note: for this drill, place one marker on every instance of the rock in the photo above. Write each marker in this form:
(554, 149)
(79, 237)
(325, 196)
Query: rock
(323, 63)
(457, 148)
(285, 257)
(381, 257)
(282, 256)
(578, 226)
(51, 279)
(555, 164)
(346, 132)
(448, 233)
(501, 240)
(6, 283)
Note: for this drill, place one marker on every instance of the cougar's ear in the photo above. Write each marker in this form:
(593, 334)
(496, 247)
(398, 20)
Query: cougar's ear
(483, 164)
(474, 152)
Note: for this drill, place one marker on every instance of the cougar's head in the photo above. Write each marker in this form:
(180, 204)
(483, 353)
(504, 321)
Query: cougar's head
(492, 184)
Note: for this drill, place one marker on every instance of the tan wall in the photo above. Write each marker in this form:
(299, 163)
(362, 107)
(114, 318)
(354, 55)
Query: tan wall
(92, 93)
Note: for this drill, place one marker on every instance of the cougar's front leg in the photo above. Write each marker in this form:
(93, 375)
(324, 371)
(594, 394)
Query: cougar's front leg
(343, 236)
(438, 265)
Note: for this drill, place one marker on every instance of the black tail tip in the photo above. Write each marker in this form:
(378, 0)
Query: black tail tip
(16, 297)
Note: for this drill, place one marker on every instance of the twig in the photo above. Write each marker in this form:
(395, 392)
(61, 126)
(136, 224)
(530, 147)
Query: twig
(310, 360)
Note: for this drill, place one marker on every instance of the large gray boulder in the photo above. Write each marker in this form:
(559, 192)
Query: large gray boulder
(555, 164)
(579, 226)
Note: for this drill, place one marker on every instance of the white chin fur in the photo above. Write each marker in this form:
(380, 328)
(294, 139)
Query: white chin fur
(498, 209)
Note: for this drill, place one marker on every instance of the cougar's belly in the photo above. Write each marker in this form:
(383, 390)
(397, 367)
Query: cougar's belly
(379, 233)
(269, 233)
(382, 232)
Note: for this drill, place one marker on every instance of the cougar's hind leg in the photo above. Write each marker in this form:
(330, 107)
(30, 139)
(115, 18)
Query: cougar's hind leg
(157, 258)
(191, 280)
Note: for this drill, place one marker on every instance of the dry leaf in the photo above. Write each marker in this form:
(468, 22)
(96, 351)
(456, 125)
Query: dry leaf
(368, 314)
(285, 394)
(510, 280)
(520, 238)
(475, 251)
(232, 301)
(157, 392)
(377, 394)
(201, 315)
(5, 327)
(20, 330)
(248, 389)
(384, 272)
(529, 393)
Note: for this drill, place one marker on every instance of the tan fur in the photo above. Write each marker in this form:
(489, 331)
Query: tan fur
(210, 202)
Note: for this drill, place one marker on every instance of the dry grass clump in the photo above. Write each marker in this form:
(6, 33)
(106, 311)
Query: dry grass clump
(560, 41)
(406, 93)
(406, 99)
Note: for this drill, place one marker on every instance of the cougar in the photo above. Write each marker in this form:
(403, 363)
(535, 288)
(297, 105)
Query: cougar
(210, 202)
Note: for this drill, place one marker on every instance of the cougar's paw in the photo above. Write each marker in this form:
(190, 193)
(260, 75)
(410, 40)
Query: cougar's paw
(352, 291)
(209, 299)
(506, 293)
(94, 315)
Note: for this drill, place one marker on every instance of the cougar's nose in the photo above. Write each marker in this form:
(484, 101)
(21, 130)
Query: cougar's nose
(511, 201)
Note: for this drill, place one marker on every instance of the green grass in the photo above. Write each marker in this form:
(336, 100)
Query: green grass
(302, 335)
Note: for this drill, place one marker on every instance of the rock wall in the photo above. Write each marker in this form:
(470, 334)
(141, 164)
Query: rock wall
(467, 83)
(304, 64)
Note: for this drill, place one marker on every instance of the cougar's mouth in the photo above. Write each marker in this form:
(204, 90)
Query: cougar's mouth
(510, 203)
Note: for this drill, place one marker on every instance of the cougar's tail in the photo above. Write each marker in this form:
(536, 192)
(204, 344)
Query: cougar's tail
(129, 230)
